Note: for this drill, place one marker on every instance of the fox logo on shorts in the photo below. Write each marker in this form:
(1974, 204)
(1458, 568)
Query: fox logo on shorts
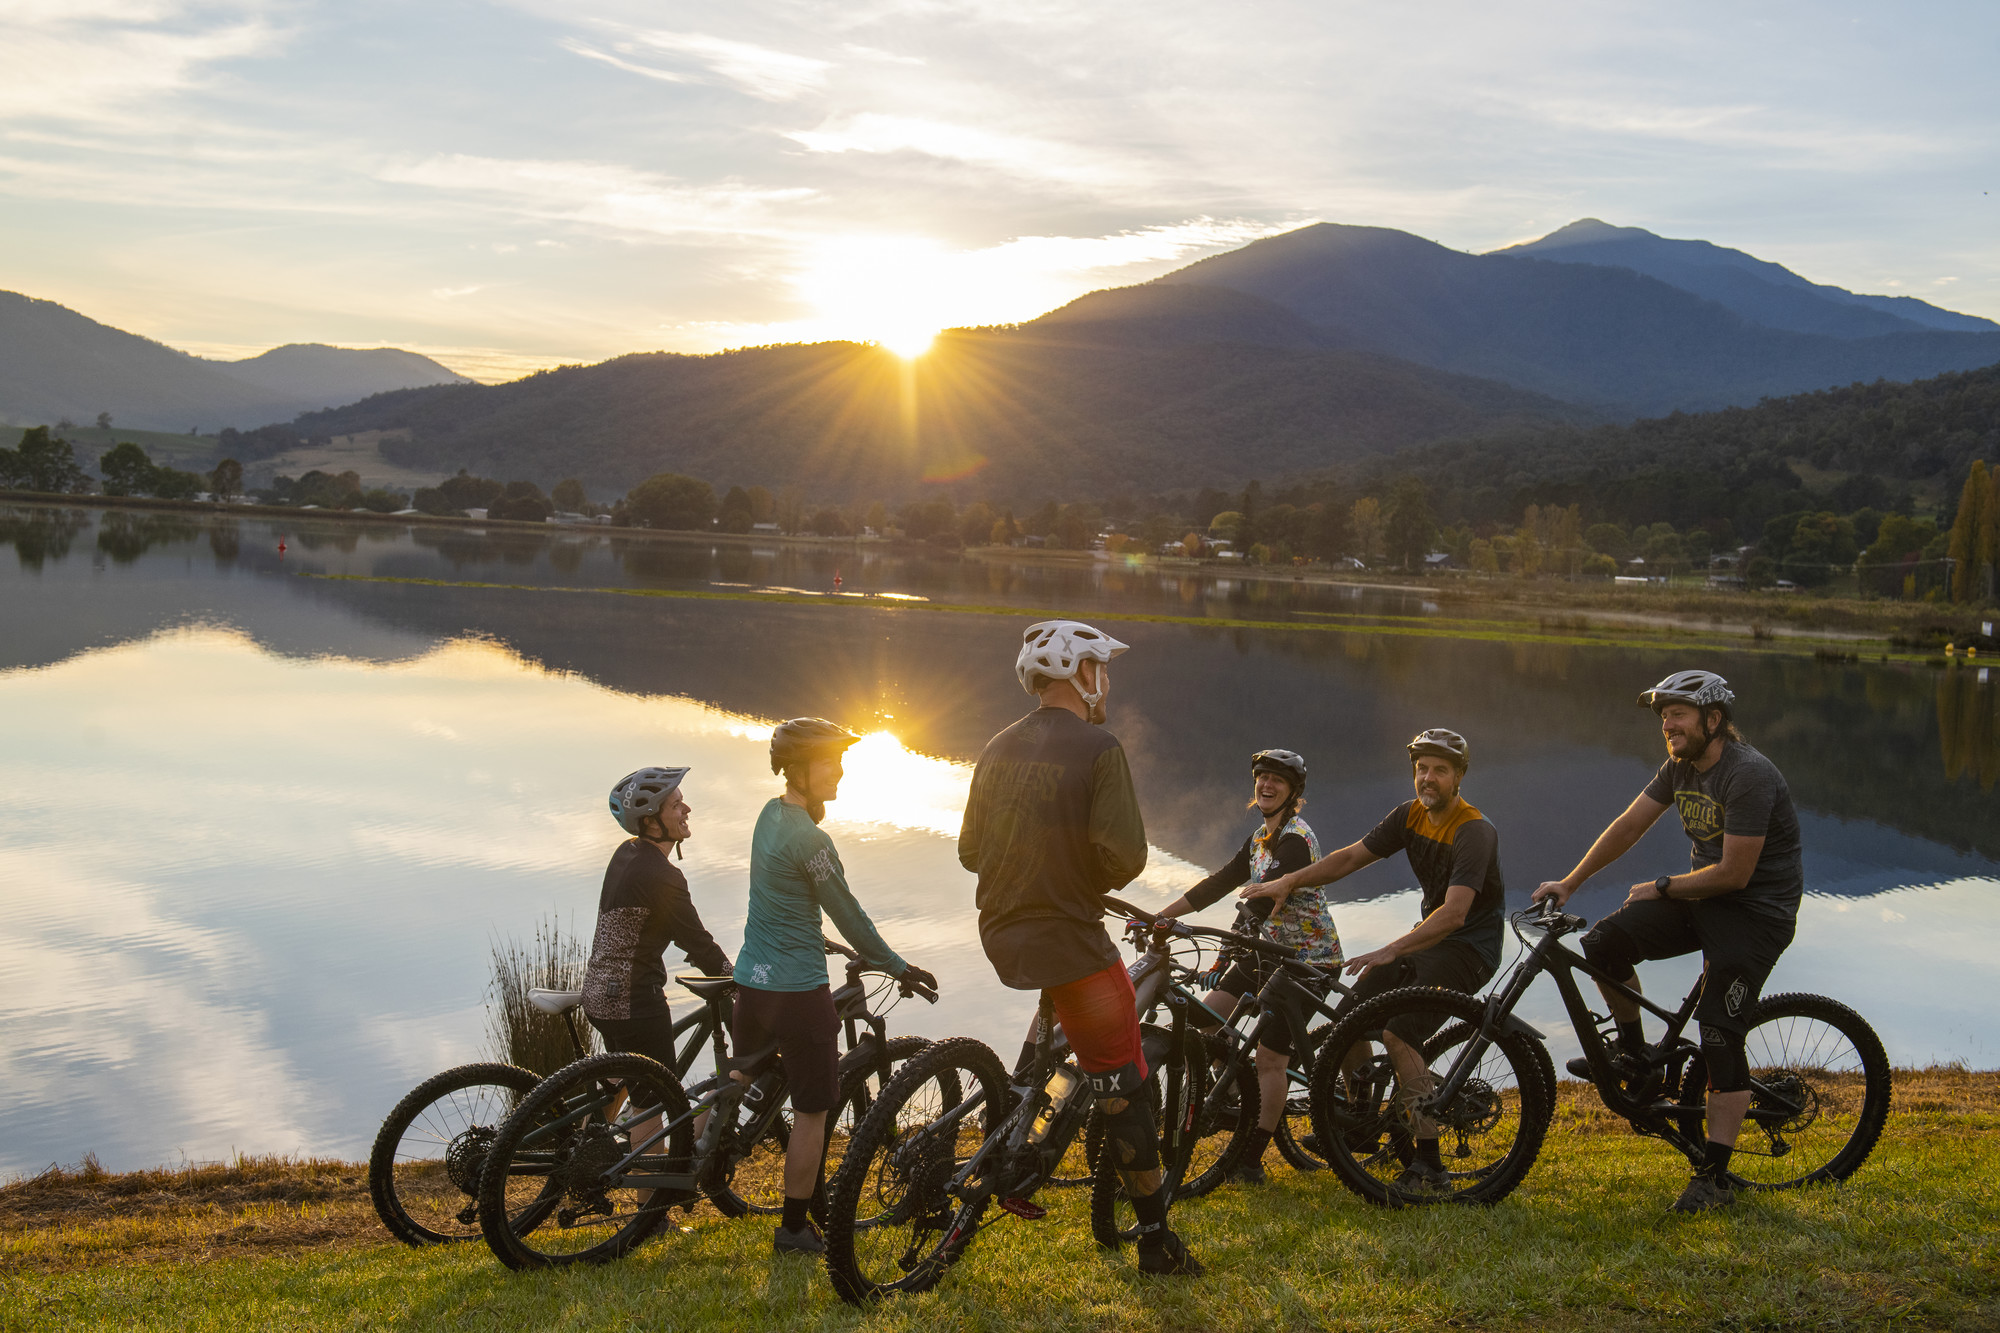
(1732, 999)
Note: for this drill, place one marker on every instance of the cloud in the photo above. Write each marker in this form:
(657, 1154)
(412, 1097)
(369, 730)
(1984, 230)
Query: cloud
(100, 60)
(775, 76)
(1032, 158)
(603, 194)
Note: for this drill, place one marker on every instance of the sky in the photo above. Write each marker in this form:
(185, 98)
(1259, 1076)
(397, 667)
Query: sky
(508, 186)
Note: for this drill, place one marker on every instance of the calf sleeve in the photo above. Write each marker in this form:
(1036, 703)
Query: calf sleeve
(1132, 1137)
(1722, 1051)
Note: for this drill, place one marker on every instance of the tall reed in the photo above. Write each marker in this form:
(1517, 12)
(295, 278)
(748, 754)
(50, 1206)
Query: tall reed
(519, 1033)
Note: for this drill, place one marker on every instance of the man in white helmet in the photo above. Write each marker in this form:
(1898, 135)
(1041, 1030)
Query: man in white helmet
(1738, 905)
(1051, 826)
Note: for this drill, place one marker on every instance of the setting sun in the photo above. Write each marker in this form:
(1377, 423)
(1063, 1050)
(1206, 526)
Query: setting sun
(909, 343)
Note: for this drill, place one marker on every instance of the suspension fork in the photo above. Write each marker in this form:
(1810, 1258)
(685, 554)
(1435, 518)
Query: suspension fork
(1499, 1006)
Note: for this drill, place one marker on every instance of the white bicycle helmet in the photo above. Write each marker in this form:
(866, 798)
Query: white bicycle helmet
(1057, 648)
(1703, 689)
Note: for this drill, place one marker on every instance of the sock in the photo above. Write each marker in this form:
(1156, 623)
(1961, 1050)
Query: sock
(1716, 1160)
(1152, 1212)
(1427, 1153)
(1632, 1035)
(1027, 1060)
(795, 1213)
(1260, 1139)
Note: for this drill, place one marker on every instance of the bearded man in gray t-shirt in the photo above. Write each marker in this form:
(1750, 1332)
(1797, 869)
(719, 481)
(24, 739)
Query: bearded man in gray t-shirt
(1738, 905)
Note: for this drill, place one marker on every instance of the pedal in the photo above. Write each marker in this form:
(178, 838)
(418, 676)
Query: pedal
(1021, 1208)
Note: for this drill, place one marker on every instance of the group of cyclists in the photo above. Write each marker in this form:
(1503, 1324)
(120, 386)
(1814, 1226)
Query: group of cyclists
(1052, 825)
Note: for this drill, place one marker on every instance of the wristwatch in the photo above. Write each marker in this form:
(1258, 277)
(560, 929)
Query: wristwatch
(1660, 887)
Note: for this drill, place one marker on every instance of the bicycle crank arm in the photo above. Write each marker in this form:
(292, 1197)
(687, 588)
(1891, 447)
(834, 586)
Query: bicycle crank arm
(673, 1182)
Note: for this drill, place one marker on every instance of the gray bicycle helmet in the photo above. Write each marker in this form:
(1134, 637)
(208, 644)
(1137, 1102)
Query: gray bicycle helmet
(1289, 766)
(1703, 689)
(803, 739)
(1443, 742)
(641, 795)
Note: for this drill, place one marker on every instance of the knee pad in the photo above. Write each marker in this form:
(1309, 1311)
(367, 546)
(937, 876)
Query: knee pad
(1611, 949)
(1722, 1052)
(1132, 1138)
(1120, 1082)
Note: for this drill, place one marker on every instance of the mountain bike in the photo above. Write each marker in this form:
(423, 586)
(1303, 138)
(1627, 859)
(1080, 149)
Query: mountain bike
(424, 1170)
(1294, 993)
(953, 1135)
(1819, 1083)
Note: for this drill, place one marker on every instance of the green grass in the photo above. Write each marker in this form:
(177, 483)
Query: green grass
(1584, 1244)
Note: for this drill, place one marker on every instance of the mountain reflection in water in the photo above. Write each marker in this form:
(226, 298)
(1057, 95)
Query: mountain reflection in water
(264, 828)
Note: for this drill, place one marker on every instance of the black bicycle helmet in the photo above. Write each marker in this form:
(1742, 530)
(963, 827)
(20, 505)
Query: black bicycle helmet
(1703, 689)
(1443, 742)
(1287, 765)
(804, 739)
(641, 795)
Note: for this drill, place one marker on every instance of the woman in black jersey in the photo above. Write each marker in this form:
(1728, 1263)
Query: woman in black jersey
(644, 907)
(1282, 844)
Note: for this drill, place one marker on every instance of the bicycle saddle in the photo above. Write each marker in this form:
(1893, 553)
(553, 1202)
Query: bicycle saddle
(707, 988)
(555, 1001)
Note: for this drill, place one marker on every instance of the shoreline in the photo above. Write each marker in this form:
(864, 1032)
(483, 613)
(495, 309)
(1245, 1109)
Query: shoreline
(1919, 628)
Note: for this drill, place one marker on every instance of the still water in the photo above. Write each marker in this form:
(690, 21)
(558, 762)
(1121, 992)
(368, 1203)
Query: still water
(260, 831)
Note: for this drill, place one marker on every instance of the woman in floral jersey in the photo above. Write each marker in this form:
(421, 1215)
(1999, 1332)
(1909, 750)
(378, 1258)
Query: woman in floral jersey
(1282, 844)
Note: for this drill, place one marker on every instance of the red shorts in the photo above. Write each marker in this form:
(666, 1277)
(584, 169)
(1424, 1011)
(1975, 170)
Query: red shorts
(1099, 1014)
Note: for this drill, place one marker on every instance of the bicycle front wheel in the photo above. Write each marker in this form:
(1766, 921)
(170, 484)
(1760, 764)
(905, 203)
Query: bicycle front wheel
(552, 1192)
(1368, 1101)
(891, 1223)
(1820, 1089)
(423, 1174)
(757, 1182)
(1224, 1120)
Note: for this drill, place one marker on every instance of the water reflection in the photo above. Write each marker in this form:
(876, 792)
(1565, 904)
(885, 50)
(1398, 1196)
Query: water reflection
(329, 795)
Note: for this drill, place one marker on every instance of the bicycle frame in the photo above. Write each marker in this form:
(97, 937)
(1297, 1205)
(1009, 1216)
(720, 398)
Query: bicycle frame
(1658, 1116)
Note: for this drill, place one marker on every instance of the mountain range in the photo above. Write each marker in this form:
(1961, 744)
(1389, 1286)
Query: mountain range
(56, 363)
(1292, 354)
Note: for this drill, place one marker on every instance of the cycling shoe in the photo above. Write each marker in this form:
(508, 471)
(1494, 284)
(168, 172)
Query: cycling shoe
(1703, 1194)
(1420, 1177)
(1169, 1258)
(806, 1240)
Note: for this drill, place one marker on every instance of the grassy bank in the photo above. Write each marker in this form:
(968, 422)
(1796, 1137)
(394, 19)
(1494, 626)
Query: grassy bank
(1913, 1242)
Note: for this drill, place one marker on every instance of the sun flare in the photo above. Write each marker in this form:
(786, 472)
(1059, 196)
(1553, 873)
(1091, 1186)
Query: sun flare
(909, 343)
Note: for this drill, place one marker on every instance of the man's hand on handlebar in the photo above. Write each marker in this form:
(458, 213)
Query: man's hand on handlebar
(916, 981)
(1557, 889)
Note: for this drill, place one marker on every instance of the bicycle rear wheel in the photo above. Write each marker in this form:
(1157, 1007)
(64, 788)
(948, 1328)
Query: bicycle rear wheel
(756, 1184)
(423, 1173)
(1820, 1094)
(549, 1196)
(891, 1224)
(1488, 1134)
(1176, 1085)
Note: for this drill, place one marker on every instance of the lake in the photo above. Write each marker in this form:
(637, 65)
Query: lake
(263, 826)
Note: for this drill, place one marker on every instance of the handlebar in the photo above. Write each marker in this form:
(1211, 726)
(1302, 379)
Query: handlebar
(833, 946)
(1168, 926)
(1550, 916)
(857, 965)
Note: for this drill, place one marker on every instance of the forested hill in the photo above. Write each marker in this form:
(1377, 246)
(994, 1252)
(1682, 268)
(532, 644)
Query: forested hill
(1735, 464)
(1108, 402)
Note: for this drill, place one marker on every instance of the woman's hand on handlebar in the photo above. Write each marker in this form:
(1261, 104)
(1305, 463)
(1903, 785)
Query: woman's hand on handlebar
(916, 981)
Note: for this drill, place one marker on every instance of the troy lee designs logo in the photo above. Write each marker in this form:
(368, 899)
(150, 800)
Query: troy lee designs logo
(1701, 814)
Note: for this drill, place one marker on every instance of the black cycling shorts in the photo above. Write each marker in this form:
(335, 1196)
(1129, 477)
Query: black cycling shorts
(807, 1032)
(1241, 980)
(642, 1036)
(1451, 964)
(1739, 947)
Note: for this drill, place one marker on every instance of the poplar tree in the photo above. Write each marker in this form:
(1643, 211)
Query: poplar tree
(1967, 548)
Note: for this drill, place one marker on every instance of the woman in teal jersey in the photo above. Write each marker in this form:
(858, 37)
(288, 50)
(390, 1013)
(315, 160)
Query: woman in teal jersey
(782, 995)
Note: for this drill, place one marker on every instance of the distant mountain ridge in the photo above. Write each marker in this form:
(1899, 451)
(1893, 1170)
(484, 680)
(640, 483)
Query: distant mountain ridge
(1610, 337)
(1760, 291)
(56, 363)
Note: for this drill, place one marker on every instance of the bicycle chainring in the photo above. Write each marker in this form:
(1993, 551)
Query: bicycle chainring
(465, 1155)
